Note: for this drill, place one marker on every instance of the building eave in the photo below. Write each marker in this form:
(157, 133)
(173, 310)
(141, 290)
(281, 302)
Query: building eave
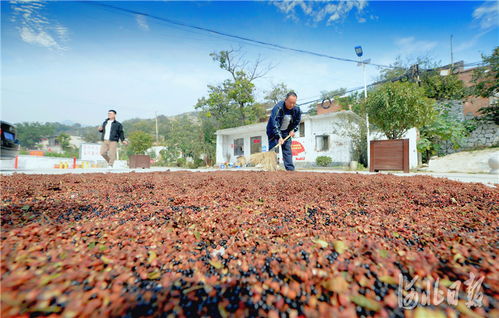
(242, 129)
(262, 126)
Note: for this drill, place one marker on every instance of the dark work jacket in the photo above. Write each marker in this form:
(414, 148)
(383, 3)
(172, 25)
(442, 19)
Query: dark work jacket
(117, 132)
(275, 120)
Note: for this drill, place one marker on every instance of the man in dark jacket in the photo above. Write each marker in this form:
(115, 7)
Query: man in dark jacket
(284, 120)
(111, 132)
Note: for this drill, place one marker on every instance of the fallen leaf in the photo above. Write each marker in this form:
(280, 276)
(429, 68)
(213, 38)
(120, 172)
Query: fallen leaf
(340, 246)
(154, 275)
(152, 257)
(366, 302)
(337, 284)
(216, 264)
(320, 243)
(388, 280)
(422, 312)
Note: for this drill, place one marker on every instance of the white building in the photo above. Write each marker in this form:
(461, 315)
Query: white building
(319, 135)
(52, 145)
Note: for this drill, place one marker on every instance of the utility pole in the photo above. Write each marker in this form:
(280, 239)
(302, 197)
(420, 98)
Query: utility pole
(367, 115)
(451, 55)
(359, 52)
(157, 136)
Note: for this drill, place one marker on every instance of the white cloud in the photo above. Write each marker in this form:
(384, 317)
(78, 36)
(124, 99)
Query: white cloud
(487, 15)
(410, 46)
(41, 38)
(319, 11)
(485, 18)
(142, 22)
(35, 28)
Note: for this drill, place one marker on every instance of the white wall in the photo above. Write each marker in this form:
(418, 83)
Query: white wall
(156, 150)
(26, 162)
(225, 143)
(339, 146)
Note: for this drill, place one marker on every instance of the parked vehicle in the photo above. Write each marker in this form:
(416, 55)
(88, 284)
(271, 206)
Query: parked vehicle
(9, 143)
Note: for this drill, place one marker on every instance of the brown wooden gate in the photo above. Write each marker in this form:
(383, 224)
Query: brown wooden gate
(389, 155)
(139, 161)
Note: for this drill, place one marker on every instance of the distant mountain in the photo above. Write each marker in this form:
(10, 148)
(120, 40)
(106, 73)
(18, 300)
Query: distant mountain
(69, 123)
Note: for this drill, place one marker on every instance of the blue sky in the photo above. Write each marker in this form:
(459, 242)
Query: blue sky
(73, 61)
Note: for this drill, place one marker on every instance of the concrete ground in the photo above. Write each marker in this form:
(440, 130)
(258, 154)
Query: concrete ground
(486, 179)
(475, 161)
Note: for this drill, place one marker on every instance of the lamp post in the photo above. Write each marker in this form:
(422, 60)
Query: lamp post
(359, 52)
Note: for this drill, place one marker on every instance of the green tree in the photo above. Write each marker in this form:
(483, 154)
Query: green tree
(63, 140)
(441, 87)
(30, 134)
(486, 78)
(189, 138)
(91, 134)
(356, 101)
(401, 66)
(220, 106)
(208, 139)
(169, 156)
(435, 85)
(276, 94)
(338, 96)
(312, 109)
(353, 127)
(352, 100)
(139, 142)
(446, 127)
(228, 104)
(331, 95)
(397, 107)
(138, 124)
(232, 102)
(186, 137)
(486, 84)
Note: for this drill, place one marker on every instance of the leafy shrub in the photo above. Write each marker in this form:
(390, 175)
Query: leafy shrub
(68, 153)
(169, 156)
(181, 162)
(397, 107)
(139, 142)
(192, 165)
(199, 162)
(323, 161)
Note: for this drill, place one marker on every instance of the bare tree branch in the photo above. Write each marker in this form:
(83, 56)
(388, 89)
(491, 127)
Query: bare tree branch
(234, 62)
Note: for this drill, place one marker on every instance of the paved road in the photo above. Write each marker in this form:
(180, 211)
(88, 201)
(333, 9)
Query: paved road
(487, 179)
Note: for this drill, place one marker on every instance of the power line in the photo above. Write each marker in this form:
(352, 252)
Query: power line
(406, 75)
(237, 37)
(271, 45)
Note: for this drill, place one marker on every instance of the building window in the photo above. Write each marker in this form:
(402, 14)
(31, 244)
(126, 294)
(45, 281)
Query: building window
(256, 144)
(53, 142)
(301, 129)
(238, 147)
(322, 143)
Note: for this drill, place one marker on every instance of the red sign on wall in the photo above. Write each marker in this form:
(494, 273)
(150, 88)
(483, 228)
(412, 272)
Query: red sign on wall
(296, 148)
(256, 141)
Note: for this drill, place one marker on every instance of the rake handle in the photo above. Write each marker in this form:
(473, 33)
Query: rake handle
(278, 143)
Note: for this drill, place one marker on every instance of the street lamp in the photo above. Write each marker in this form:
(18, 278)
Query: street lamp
(359, 52)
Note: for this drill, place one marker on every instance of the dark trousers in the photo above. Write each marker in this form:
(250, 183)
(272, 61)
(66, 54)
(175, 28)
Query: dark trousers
(286, 150)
